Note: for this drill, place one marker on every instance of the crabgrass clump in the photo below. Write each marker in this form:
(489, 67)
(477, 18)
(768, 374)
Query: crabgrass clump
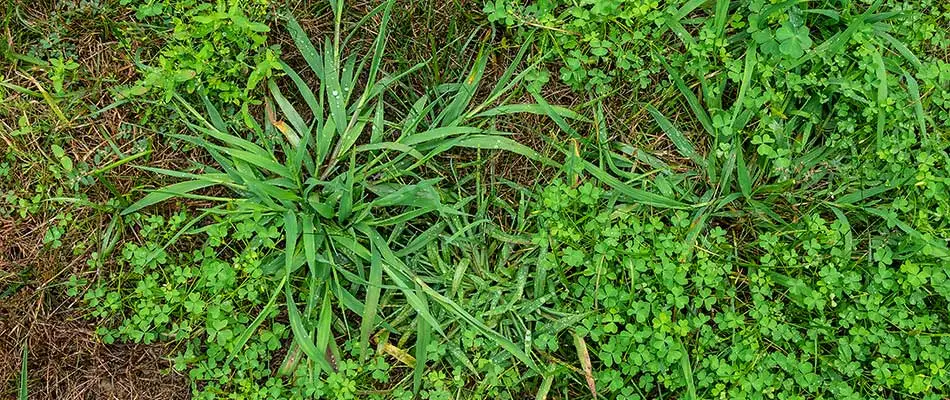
(336, 184)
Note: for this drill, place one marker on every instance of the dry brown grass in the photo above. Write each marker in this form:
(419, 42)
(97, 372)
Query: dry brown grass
(66, 360)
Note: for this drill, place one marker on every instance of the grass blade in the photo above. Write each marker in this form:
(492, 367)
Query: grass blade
(745, 182)
(584, 357)
(914, 89)
(494, 142)
(691, 98)
(168, 192)
(372, 300)
(246, 335)
(399, 273)
(324, 333)
(881, 75)
(687, 373)
(24, 375)
(508, 109)
(289, 111)
(423, 337)
(682, 144)
(450, 116)
(305, 46)
(634, 194)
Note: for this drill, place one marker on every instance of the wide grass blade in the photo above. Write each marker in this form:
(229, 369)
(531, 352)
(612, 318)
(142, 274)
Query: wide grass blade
(881, 75)
(634, 194)
(423, 337)
(450, 116)
(495, 142)
(324, 333)
(583, 356)
(691, 98)
(745, 182)
(305, 46)
(914, 90)
(400, 274)
(372, 300)
(246, 335)
(682, 144)
(537, 109)
(288, 109)
(174, 190)
(687, 370)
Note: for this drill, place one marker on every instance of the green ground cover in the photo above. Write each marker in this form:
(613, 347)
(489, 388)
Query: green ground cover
(623, 199)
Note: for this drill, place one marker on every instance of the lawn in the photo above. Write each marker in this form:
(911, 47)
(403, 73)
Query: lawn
(496, 199)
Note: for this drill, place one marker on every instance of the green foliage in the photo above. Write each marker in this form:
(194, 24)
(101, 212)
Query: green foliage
(606, 44)
(332, 205)
(218, 49)
(775, 227)
(801, 315)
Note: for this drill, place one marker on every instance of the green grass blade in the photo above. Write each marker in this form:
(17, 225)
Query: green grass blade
(438, 134)
(901, 48)
(24, 374)
(214, 115)
(751, 59)
(324, 332)
(537, 109)
(691, 98)
(450, 116)
(745, 182)
(391, 146)
(914, 90)
(400, 274)
(687, 370)
(290, 239)
(860, 195)
(423, 337)
(372, 300)
(230, 140)
(246, 335)
(494, 142)
(379, 48)
(302, 335)
(305, 46)
(721, 16)
(881, 75)
(174, 190)
(634, 194)
(316, 109)
(288, 109)
(682, 144)
(545, 387)
(336, 98)
(460, 312)
(502, 83)
(257, 160)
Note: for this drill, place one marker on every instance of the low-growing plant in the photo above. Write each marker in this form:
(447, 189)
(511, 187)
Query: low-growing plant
(217, 49)
(337, 186)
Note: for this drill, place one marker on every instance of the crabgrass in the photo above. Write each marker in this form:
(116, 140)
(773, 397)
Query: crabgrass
(733, 199)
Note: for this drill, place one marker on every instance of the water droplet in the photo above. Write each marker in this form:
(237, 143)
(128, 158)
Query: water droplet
(335, 93)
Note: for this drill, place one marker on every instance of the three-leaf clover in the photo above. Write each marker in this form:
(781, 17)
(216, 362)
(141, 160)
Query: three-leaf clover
(793, 40)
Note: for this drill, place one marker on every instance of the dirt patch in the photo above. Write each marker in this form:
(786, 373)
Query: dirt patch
(66, 360)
